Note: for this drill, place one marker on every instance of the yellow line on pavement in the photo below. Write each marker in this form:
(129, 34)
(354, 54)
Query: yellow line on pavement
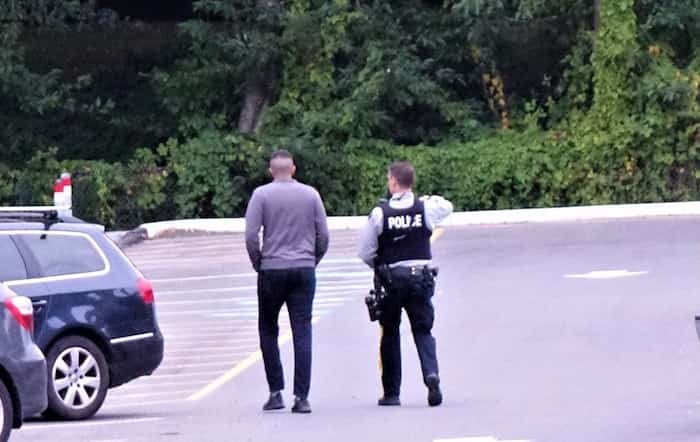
(239, 368)
(256, 356)
(437, 233)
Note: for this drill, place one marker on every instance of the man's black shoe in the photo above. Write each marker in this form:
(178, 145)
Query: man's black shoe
(388, 401)
(301, 406)
(275, 402)
(434, 393)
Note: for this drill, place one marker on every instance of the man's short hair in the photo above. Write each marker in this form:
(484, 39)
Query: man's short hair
(403, 172)
(282, 153)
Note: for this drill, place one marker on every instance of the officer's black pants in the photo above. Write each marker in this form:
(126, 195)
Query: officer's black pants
(296, 288)
(411, 293)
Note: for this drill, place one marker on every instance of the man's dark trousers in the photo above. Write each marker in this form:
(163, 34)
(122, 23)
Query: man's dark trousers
(296, 288)
(411, 293)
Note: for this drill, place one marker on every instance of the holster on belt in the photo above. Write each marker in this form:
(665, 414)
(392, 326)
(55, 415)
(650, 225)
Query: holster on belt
(382, 275)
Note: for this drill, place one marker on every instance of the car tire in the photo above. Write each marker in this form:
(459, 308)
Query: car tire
(78, 378)
(7, 413)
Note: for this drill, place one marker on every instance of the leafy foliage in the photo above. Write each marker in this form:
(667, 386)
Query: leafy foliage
(501, 104)
(117, 195)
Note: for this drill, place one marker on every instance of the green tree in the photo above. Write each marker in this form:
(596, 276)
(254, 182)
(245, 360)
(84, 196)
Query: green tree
(231, 71)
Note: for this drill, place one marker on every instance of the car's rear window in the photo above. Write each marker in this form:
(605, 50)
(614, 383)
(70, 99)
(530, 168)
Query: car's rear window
(61, 254)
(12, 267)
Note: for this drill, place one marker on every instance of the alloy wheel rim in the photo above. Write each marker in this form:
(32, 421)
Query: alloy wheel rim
(76, 378)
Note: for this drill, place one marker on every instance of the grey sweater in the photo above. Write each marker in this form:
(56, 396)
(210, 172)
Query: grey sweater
(293, 220)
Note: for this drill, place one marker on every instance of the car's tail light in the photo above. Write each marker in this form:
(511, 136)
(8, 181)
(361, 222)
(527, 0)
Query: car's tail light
(146, 290)
(22, 310)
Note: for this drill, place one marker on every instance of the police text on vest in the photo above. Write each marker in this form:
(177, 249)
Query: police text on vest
(405, 222)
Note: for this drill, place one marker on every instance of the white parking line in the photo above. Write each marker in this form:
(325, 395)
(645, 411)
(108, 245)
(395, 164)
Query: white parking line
(481, 439)
(205, 278)
(244, 312)
(211, 357)
(229, 241)
(240, 367)
(222, 334)
(223, 312)
(321, 299)
(338, 287)
(186, 374)
(208, 301)
(150, 385)
(216, 314)
(30, 426)
(323, 287)
(213, 309)
(321, 271)
(239, 326)
(158, 256)
(206, 364)
(468, 439)
(341, 260)
(216, 344)
(142, 404)
(606, 274)
(189, 259)
(150, 394)
(335, 272)
(235, 325)
(250, 300)
(222, 338)
(200, 291)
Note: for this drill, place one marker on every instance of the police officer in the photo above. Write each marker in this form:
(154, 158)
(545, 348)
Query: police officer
(397, 234)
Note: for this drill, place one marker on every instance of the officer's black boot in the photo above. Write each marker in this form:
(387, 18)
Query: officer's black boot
(274, 402)
(388, 401)
(432, 381)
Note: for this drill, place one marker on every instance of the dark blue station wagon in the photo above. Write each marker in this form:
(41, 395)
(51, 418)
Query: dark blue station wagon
(94, 312)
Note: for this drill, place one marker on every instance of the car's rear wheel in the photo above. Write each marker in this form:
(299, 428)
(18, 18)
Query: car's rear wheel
(78, 378)
(7, 415)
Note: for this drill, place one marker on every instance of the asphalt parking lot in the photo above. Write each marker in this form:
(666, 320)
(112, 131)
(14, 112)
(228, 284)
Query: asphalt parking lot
(206, 304)
(562, 332)
(207, 310)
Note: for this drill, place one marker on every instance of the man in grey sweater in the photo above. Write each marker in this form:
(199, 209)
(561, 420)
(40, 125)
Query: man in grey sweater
(295, 239)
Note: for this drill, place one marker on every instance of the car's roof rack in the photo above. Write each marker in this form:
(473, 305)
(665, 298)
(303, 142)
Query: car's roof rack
(47, 215)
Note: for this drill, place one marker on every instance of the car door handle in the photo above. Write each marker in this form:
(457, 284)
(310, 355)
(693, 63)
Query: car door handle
(39, 303)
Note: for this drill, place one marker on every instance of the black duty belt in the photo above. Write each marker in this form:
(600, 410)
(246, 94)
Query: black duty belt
(413, 270)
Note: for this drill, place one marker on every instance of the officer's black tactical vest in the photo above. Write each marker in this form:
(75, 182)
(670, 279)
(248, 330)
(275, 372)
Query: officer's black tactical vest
(405, 235)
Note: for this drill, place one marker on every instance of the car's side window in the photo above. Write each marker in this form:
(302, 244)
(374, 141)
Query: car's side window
(12, 268)
(62, 254)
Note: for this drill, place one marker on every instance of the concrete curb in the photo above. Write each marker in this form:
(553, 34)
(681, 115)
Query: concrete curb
(488, 217)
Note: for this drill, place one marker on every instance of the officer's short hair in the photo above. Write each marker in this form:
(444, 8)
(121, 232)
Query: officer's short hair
(404, 173)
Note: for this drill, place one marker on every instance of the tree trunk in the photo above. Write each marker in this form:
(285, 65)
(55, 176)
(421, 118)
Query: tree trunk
(254, 105)
(596, 15)
(259, 90)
